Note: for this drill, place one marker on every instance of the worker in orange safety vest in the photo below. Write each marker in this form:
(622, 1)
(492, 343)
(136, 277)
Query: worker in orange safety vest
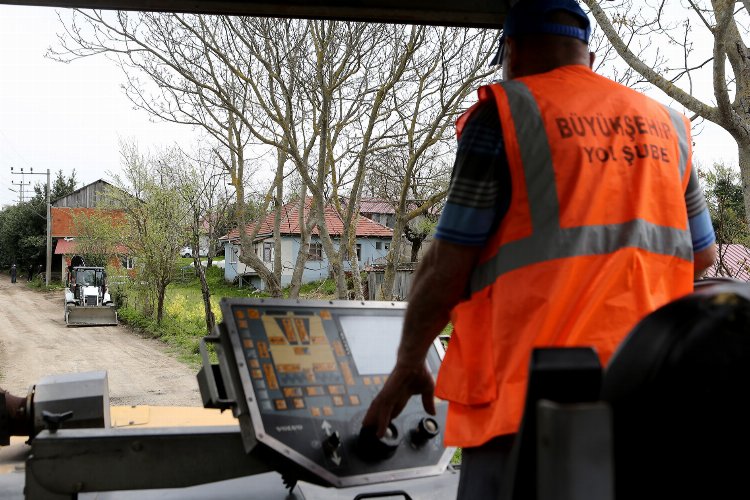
(573, 212)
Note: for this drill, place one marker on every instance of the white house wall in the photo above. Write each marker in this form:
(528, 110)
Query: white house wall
(314, 269)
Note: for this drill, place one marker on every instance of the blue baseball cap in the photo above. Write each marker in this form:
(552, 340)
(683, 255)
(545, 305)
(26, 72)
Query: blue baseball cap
(528, 17)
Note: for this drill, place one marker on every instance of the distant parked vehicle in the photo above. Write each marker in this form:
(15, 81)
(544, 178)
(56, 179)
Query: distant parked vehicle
(187, 252)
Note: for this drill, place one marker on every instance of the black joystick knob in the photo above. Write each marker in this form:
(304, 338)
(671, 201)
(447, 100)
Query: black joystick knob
(371, 448)
(332, 443)
(426, 429)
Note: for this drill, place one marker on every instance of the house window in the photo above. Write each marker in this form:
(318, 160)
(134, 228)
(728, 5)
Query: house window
(378, 245)
(387, 246)
(315, 251)
(233, 253)
(126, 262)
(267, 251)
(359, 253)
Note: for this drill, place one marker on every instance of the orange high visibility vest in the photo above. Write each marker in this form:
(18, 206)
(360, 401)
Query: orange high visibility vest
(596, 237)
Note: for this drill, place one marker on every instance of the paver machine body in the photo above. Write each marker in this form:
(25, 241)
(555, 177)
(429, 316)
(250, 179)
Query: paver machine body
(87, 299)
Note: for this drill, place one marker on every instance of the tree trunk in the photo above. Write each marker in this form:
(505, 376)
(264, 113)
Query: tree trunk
(206, 293)
(393, 259)
(416, 244)
(743, 144)
(305, 227)
(160, 293)
(279, 180)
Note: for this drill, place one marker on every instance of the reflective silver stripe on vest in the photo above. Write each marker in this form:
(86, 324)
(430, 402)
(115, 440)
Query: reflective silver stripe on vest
(548, 240)
(682, 137)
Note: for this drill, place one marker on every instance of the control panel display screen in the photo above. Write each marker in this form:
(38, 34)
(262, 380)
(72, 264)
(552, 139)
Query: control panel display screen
(373, 342)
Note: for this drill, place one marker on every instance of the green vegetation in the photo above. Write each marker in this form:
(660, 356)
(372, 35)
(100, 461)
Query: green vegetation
(23, 226)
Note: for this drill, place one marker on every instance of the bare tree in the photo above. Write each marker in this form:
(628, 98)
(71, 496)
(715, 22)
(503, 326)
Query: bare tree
(189, 79)
(321, 96)
(679, 29)
(448, 70)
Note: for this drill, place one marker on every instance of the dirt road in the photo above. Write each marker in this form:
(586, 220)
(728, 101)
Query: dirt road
(34, 342)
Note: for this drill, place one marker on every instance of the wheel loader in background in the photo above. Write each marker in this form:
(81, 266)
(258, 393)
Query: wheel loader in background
(87, 299)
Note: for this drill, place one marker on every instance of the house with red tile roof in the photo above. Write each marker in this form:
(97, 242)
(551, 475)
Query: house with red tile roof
(372, 242)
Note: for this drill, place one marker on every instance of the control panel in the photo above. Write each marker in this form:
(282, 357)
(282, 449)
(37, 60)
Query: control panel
(300, 376)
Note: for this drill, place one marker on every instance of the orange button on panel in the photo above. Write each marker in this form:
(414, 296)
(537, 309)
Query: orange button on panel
(304, 337)
(254, 363)
(242, 323)
(292, 392)
(253, 314)
(263, 349)
(291, 335)
(338, 400)
(324, 367)
(347, 373)
(289, 368)
(314, 390)
(273, 384)
(376, 380)
(315, 411)
(367, 380)
(325, 314)
(338, 348)
(336, 389)
(256, 373)
(353, 399)
(239, 314)
(298, 403)
(280, 404)
(327, 411)
(248, 343)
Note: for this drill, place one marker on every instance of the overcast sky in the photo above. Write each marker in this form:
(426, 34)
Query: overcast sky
(71, 116)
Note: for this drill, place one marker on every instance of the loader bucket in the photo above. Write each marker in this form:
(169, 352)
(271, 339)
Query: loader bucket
(91, 316)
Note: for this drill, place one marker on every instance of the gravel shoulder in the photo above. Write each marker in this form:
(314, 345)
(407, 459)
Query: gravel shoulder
(34, 342)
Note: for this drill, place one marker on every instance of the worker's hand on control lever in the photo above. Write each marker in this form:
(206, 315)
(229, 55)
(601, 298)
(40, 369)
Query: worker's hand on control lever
(402, 384)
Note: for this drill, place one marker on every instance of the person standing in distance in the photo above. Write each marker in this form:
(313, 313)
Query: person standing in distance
(573, 212)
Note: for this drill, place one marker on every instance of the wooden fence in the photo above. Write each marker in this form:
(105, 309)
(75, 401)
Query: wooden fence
(401, 284)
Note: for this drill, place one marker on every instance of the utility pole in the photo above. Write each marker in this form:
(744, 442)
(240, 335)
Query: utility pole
(20, 185)
(48, 273)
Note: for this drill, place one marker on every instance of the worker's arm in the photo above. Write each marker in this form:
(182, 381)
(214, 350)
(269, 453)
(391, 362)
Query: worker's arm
(439, 284)
(701, 228)
(15, 409)
(704, 259)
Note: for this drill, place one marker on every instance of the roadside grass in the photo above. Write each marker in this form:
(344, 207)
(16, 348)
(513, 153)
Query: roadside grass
(38, 284)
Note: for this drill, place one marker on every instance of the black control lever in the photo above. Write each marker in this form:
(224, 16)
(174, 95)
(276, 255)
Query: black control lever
(372, 448)
(426, 429)
(55, 420)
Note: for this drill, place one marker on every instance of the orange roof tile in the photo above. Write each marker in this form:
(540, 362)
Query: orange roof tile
(290, 224)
